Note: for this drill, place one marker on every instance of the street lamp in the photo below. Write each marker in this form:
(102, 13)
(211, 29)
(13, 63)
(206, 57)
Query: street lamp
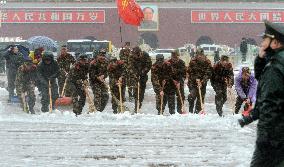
(2, 3)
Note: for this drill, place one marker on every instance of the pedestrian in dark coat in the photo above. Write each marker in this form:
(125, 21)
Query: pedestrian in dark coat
(47, 72)
(244, 49)
(269, 149)
(14, 59)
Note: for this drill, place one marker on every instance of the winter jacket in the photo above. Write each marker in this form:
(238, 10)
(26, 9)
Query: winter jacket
(65, 62)
(13, 61)
(222, 76)
(77, 75)
(199, 68)
(140, 66)
(98, 67)
(246, 91)
(157, 76)
(270, 104)
(47, 72)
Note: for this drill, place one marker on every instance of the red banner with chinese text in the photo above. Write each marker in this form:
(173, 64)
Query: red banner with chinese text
(53, 16)
(237, 16)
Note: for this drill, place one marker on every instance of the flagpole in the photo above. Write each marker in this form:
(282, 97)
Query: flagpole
(120, 30)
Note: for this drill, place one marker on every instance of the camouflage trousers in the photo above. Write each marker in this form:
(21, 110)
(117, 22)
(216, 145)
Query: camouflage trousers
(167, 99)
(142, 87)
(179, 104)
(194, 95)
(238, 105)
(220, 99)
(115, 100)
(29, 88)
(45, 95)
(11, 76)
(78, 99)
(61, 81)
(101, 95)
(130, 83)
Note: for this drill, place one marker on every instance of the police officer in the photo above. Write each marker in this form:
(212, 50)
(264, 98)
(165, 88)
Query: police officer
(269, 150)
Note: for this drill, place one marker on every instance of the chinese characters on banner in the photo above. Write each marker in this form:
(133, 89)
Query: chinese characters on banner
(53, 16)
(236, 16)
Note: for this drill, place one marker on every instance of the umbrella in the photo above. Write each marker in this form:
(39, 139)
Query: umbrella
(22, 49)
(42, 41)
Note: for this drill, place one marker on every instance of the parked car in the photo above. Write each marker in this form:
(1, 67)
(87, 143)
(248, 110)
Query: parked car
(165, 52)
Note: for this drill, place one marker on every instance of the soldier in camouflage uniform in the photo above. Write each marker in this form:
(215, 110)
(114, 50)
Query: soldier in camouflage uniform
(48, 70)
(117, 75)
(139, 65)
(170, 81)
(157, 75)
(98, 73)
(124, 55)
(179, 73)
(65, 60)
(14, 59)
(77, 75)
(222, 77)
(199, 68)
(25, 83)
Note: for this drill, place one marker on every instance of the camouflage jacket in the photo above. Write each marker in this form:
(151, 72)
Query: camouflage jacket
(178, 70)
(169, 76)
(157, 76)
(98, 67)
(199, 68)
(116, 70)
(222, 76)
(124, 55)
(77, 75)
(65, 62)
(139, 66)
(26, 75)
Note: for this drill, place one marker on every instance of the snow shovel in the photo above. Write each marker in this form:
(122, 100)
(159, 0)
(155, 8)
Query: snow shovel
(138, 94)
(231, 99)
(62, 100)
(120, 98)
(25, 106)
(200, 97)
(181, 101)
(50, 96)
(231, 96)
(92, 107)
(162, 101)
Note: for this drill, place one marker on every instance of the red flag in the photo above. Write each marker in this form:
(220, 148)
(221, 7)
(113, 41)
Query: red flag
(130, 12)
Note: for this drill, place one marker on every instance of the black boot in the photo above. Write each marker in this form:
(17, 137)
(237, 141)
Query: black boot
(32, 111)
(44, 108)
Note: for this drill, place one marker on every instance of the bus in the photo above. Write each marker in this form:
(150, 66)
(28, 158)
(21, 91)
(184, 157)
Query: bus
(80, 46)
(87, 46)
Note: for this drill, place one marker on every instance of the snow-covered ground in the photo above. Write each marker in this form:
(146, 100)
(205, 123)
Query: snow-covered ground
(105, 139)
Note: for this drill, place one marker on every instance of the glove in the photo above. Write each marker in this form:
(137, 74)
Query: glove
(245, 120)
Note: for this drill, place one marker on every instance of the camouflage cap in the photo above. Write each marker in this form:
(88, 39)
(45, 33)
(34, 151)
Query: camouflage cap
(199, 51)
(224, 58)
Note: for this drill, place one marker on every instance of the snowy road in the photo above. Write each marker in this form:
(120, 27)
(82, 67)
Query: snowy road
(104, 139)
